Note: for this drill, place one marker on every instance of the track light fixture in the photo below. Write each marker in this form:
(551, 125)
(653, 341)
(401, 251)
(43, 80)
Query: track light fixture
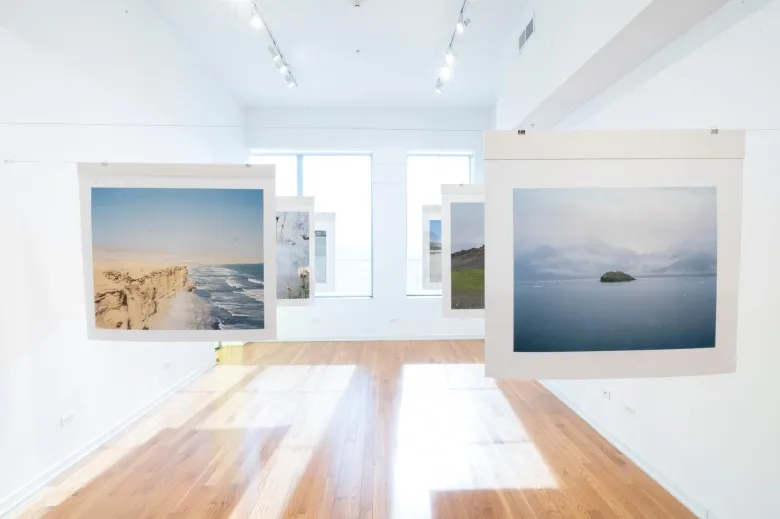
(446, 70)
(256, 21)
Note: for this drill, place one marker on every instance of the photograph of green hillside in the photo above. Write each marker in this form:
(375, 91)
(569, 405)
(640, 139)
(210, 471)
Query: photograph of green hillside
(467, 263)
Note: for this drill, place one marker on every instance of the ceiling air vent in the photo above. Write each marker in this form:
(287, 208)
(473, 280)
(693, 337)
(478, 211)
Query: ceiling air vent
(529, 30)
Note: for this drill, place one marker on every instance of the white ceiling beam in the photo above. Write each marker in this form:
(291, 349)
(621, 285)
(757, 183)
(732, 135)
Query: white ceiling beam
(654, 28)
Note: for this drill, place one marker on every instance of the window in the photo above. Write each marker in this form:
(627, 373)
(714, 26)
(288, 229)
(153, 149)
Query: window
(340, 184)
(425, 174)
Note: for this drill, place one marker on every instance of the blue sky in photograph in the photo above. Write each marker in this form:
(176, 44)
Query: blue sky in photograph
(435, 226)
(190, 223)
(468, 225)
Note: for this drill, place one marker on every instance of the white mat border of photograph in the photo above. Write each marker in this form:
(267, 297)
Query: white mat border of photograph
(630, 159)
(327, 222)
(183, 176)
(429, 212)
(454, 193)
(300, 204)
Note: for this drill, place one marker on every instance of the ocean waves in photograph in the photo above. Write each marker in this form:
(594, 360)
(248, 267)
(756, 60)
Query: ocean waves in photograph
(234, 295)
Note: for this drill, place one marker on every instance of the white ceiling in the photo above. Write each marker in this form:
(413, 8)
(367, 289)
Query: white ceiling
(401, 43)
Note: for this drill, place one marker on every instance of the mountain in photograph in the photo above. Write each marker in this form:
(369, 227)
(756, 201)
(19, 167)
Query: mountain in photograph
(593, 257)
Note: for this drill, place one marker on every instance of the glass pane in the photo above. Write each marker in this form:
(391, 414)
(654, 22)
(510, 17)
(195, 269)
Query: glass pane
(341, 184)
(425, 175)
(286, 172)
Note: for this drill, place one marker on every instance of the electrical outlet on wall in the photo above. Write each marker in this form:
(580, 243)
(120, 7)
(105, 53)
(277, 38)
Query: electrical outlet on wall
(606, 393)
(67, 418)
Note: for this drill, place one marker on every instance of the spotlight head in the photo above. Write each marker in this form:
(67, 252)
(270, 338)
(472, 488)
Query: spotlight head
(445, 73)
(449, 58)
(255, 21)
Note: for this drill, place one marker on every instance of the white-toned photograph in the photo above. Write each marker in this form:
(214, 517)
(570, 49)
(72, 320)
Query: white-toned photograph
(325, 252)
(295, 246)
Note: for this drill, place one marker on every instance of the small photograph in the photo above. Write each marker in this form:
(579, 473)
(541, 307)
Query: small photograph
(176, 259)
(610, 269)
(320, 256)
(434, 250)
(292, 255)
(467, 264)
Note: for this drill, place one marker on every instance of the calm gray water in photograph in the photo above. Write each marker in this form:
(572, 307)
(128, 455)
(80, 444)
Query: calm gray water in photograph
(586, 315)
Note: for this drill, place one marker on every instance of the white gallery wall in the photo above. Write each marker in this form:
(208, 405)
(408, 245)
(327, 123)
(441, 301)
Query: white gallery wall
(89, 81)
(712, 440)
(389, 135)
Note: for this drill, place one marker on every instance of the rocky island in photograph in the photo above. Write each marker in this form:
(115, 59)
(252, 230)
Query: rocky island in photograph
(616, 277)
(178, 259)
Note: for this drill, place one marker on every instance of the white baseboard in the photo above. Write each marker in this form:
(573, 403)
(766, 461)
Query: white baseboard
(698, 509)
(18, 497)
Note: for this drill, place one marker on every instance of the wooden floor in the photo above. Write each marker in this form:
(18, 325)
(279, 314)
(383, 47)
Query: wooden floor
(400, 430)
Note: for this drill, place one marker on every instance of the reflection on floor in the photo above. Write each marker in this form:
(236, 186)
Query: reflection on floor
(382, 430)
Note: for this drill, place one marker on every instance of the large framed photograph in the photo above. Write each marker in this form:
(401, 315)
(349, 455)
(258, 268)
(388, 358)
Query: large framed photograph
(179, 252)
(612, 254)
(463, 250)
(325, 252)
(294, 250)
(431, 247)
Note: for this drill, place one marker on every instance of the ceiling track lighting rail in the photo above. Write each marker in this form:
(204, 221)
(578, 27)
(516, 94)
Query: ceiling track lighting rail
(257, 21)
(446, 70)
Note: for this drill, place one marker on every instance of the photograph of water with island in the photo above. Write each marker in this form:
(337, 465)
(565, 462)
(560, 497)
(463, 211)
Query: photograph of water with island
(178, 259)
(467, 259)
(610, 269)
(434, 251)
(292, 255)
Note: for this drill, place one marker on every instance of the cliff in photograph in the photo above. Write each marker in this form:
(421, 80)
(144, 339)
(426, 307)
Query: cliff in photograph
(128, 298)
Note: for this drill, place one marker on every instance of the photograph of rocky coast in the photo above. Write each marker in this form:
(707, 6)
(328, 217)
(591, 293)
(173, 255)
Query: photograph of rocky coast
(178, 259)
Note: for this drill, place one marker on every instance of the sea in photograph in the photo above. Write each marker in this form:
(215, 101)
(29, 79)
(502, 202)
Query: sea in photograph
(614, 269)
(175, 259)
(467, 260)
(233, 294)
(434, 251)
(654, 313)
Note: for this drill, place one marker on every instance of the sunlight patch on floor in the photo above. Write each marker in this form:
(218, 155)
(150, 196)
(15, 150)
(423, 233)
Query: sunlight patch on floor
(456, 431)
(302, 398)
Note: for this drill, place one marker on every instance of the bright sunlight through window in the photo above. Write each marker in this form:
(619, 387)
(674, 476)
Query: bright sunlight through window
(457, 431)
